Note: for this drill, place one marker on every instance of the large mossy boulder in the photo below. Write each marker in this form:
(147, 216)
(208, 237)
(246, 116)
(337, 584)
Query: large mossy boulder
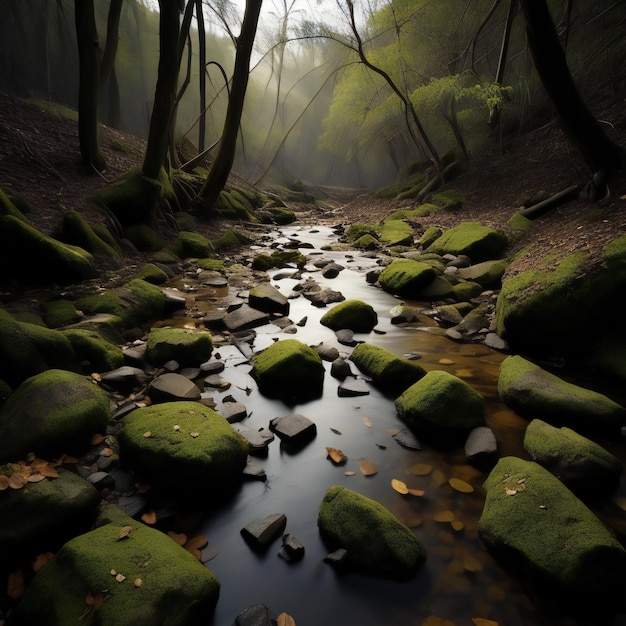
(391, 373)
(378, 544)
(135, 302)
(396, 233)
(139, 576)
(28, 255)
(405, 277)
(78, 232)
(486, 274)
(28, 349)
(95, 352)
(190, 244)
(183, 448)
(582, 465)
(355, 315)
(538, 527)
(533, 392)
(45, 515)
(441, 406)
(289, 369)
(478, 242)
(187, 347)
(51, 413)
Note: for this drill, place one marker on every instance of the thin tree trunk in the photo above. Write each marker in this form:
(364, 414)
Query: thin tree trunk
(89, 83)
(165, 92)
(202, 75)
(579, 124)
(220, 170)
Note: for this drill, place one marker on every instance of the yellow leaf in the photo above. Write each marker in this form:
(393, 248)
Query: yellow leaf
(464, 373)
(179, 538)
(336, 456)
(460, 485)
(367, 421)
(16, 481)
(420, 469)
(480, 621)
(350, 473)
(399, 486)
(444, 516)
(457, 524)
(446, 362)
(4, 482)
(198, 542)
(149, 517)
(416, 492)
(285, 620)
(367, 467)
(147, 434)
(196, 553)
(125, 532)
(36, 478)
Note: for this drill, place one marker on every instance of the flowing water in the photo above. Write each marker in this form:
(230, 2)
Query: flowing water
(459, 580)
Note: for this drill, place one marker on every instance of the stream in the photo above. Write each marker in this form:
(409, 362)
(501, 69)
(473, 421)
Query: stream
(459, 581)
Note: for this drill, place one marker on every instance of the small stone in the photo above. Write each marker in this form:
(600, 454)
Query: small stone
(263, 530)
(407, 439)
(337, 557)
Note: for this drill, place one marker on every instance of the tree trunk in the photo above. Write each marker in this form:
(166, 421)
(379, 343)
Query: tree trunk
(88, 89)
(220, 170)
(202, 75)
(582, 128)
(161, 119)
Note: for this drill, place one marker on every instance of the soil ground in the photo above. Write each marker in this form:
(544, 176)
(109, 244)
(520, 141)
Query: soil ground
(39, 163)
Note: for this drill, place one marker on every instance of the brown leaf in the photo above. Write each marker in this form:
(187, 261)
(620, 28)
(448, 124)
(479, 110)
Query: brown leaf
(196, 553)
(367, 421)
(457, 524)
(120, 578)
(367, 467)
(336, 456)
(49, 471)
(444, 516)
(36, 478)
(179, 538)
(460, 485)
(41, 560)
(416, 492)
(15, 585)
(149, 517)
(138, 582)
(147, 434)
(98, 600)
(16, 481)
(125, 532)
(480, 621)
(198, 542)
(285, 619)
(89, 599)
(106, 452)
(399, 486)
(350, 473)
(96, 439)
(4, 482)
(420, 469)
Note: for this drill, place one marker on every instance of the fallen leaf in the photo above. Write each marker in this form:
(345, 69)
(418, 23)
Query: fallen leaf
(457, 524)
(4, 482)
(337, 432)
(89, 600)
(176, 428)
(336, 456)
(393, 431)
(16, 481)
(420, 469)
(98, 600)
(511, 492)
(350, 473)
(49, 471)
(199, 542)
(15, 585)
(446, 362)
(460, 485)
(96, 377)
(180, 538)
(149, 517)
(367, 421)
(120, 578)
(96, 439)
(138, 582)
(416, 492)
(480, 621)
(125, 532)
(285, 619)
(619, 500)
(36, 478)
(464, 373)
(147, 434)
(195, 552)
(209, 555)
(41, 560)
(195, 434)
(367, 467)
(399, 486)
(106, 452)
(444, 516)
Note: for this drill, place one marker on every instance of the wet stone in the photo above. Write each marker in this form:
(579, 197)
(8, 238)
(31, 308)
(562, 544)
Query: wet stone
(345, 337)
(233, 411)
(326, 351)
(292, 550)
(352, 387)
(215, 381)
(190, 372)
(258, 615)
(124, 378)
(101, 480)
(294, 428)
(170, 387)
(259, 440)
(494, 341)
(481, 448)
(340, 368)
(213, 366)
(263, 530)
(254, 471)
(407, 439)
(337, 557)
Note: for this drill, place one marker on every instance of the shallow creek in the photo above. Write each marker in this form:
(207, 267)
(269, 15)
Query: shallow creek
(459, 581)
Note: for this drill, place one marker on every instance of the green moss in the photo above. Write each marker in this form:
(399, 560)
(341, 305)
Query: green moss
(546, 532)
(431, 234)
(289, 369)
(281, 216)
(152, 274)
(91, 348)
(520, 224)
(466, 290)
(144, 237)
(278, 258)
(8, 208)
(377, 542)
(53, 412)
(228, 239)
(536, 393)
(449, 199)
(172, 459)
(441, 404)
(191, 245)
(478, 242)
(366, 242)
(210, 264)
(405, 277)
(235, 194)
(389, 372)
(78, 232)
(486, 274)
(357, 230)
(178, 344)
(356, 315)
(185, 221)
(176, 588)
(396, 233)
(28, 349)
(35, 258)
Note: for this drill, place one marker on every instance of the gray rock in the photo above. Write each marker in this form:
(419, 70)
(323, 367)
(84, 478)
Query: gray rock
(101, 480)
(352, 387)
(345, 337)
(233, 411)
(292, 550)
(125, 378)
(340, 368)
(407, 439)
(267, 298)
(258, 615)
(254, 471)
(324, 297)
(497, 343)
(245, 317)
(259, 440)
(332, 270)
(215, 381)
(170, 387)
(481, 448)
(213, 366)
(294, 428)
(326, 351)
(337, 557)
(263, 530)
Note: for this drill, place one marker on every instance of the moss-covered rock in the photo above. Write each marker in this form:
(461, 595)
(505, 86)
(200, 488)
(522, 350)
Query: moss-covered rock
(153, 274)
(389, 372)
(356, 315)
(423, 210)
(94, 351)
(431, 234)
(7, 207)
(478, 242)
(28, 349)
(405, 277)
(5, 392)
(289, 369)
(45, 515)
(227, 239)
(191, 245)
(466, 290)
(133, 303)
(50, 413)
(487, 273)
(278, 258)
(441, 405)
(59, 312)
(190, 449)
(185, 346)
(161, 582)
(278, 215)
(78, 232)
(535, 525)
(534, 392)
(33, 257)
(396, 233)
(357, 230)
(448, 199)
(144, 237)
(378, 544)
(366, 242)
(582, 465)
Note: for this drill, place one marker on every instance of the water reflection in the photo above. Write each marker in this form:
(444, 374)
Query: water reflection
(459, 580)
